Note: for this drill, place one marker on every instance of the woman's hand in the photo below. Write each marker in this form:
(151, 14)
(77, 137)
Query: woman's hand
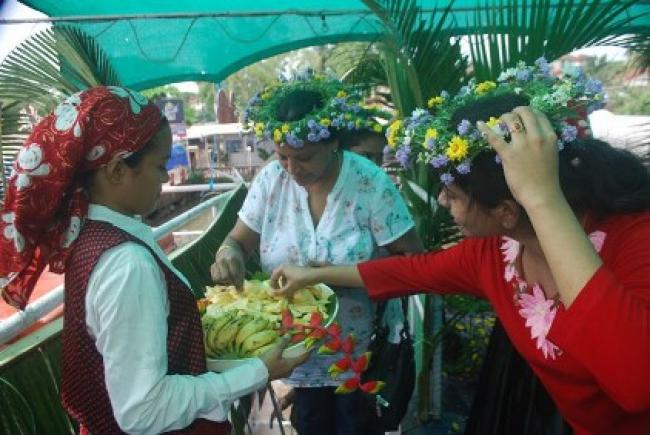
(277, 366)
(530, 161)
(229, 266)
(287, 279)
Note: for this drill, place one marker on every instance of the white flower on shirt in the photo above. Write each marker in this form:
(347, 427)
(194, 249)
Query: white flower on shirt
(11, 233)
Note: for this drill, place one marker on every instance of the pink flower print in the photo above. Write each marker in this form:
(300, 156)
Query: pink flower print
(597, 239)
(510, 250)
(539, 313)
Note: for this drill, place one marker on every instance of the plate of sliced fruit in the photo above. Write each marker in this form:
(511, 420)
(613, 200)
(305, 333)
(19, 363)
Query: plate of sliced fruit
(239, 325)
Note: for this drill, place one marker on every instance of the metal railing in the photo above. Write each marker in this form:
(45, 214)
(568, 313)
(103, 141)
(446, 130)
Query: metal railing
(18, 322)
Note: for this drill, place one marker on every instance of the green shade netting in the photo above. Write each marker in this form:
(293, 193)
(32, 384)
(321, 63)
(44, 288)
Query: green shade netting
(146, 52)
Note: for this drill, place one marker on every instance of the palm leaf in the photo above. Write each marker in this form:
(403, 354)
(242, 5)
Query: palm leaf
(419, 58)
(508, 31)
(39, 73)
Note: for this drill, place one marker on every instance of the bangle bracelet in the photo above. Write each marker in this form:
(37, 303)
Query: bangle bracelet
(224, 247)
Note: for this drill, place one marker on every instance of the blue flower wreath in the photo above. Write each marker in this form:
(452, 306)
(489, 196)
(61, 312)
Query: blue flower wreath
(426, 136)
(342, 110)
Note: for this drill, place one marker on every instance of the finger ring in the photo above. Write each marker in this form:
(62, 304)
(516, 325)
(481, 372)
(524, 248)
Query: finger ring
(517, 127)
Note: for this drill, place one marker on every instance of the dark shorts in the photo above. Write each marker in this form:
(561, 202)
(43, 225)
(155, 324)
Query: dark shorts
(318, 411)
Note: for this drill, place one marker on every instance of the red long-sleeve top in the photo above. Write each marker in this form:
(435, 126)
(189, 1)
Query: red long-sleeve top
(600, 380)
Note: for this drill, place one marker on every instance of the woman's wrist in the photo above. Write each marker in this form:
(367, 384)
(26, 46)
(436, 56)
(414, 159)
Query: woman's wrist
(543, 201)
(231, 245)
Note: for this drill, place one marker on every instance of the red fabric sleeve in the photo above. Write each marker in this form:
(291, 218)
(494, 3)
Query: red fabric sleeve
(607, 328)
(454, 270)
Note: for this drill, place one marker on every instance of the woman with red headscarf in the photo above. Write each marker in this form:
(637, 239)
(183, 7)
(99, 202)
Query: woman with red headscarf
(133, 356)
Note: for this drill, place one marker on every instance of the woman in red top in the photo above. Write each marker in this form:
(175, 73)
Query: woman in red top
(559, 242)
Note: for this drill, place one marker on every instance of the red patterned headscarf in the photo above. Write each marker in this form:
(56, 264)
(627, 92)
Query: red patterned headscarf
(45, 205)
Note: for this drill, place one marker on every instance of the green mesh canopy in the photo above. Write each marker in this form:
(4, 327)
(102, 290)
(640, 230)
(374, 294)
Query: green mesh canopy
(147, 52)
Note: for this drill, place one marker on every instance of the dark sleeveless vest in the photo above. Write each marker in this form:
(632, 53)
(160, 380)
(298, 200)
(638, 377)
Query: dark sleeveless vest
(83, 389)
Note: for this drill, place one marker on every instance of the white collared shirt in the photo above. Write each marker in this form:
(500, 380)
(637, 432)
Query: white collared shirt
(126, 314)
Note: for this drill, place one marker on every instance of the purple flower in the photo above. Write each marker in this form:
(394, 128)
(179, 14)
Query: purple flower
(356, 108)
(464, 167)
(464, 127)
(593, 86)
(336, 123)
(312, 137)
(439, 161)
(569, 133)
(311, 124)
(386, 149)
(447, 178)
(324, 133)
(294, 141)
(560, 145)
(351, 125)
(504, 128)
(475, 134)
(430, 143)
(402, 155)
(543, 66)
(523, 75)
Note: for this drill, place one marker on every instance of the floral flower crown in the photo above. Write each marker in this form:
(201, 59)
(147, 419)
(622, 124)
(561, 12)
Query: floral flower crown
(426, 136)
(342, 110)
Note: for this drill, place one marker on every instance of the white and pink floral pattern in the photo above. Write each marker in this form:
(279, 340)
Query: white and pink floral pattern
(538, 310)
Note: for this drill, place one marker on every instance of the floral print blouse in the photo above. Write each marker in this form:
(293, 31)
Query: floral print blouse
(364, 211)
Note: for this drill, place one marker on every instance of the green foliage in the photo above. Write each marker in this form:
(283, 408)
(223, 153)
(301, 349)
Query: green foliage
(39, 73)
(196, 177)
(523, 30)
(166, 91)
(419, 58)
(622, 99)
(630, 101)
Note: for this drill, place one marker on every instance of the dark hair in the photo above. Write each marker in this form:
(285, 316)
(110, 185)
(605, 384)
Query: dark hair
(134, 159)
(295, 105)
(594, 176)
(353, 138)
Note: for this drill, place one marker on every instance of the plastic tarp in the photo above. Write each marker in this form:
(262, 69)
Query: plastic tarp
(148, 51)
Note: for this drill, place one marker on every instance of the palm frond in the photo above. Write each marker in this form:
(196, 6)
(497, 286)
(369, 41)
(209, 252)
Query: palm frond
(508, 31)
(40, 72)
(419, 57)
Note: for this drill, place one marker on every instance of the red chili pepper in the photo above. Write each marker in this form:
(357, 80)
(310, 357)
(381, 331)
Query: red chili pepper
(339, 367)
(316, 318)
(372, 387)
(317, 333)
(361, 364)
(297, 338)
(348, 344)
(287, 321)
(334, 330)
(331, 347)
(348, 386)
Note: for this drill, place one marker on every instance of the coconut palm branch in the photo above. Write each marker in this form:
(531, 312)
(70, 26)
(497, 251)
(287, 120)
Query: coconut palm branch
(509, 31)
(39, 73)
(419, 58)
